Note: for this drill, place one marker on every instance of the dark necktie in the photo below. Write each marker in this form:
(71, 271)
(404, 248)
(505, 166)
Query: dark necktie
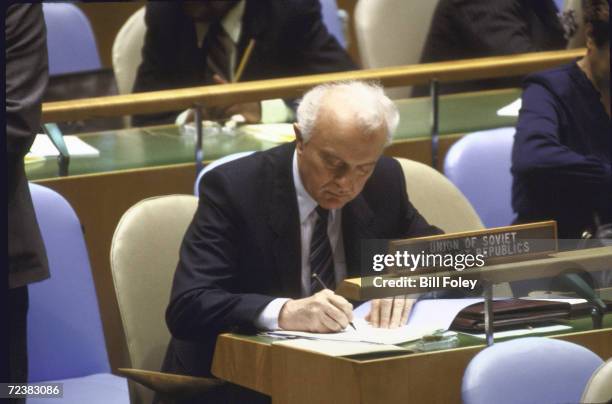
(321, 257)
(217, 50)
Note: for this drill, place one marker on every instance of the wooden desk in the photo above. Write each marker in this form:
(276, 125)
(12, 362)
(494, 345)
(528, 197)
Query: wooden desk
(292, 376)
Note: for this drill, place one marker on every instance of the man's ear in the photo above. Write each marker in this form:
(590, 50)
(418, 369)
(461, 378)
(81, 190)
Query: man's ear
(298, 138)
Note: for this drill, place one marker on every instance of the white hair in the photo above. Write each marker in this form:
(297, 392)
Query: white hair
(367, 102)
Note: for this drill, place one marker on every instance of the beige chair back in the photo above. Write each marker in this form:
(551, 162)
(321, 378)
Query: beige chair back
(443, 205)
(437, 199)
(127, 51)
(144, 254)
(392, 33)
(599, 386)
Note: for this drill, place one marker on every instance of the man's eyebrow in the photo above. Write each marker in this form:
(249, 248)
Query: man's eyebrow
(329, 155)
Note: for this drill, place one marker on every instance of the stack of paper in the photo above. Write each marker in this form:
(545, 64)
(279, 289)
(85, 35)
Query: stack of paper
(427, 317)
(43, 147)
(338, 348)
(271, 132)
(525, 331)
(511, 109)
(364, 333)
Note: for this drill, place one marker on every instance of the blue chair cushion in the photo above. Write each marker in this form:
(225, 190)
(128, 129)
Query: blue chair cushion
(70, 39)
(101, 388)
(65, 337)
(479, 165)
(529, 370)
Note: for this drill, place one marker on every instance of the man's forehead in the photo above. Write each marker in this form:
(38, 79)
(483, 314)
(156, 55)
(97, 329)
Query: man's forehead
(355, 149)
(343, 121)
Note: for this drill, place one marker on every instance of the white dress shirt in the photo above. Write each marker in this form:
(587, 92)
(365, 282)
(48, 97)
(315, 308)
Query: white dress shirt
(268, 318)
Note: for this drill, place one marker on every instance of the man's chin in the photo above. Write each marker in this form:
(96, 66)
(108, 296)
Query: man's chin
(333, 202)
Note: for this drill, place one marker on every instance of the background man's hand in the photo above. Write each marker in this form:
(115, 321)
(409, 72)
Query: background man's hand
(250, 110)
(390, 312)
(322, 312)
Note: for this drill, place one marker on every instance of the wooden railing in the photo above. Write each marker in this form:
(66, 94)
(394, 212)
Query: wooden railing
(293, 87)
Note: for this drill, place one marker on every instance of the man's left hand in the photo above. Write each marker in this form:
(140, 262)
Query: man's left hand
(390, 312)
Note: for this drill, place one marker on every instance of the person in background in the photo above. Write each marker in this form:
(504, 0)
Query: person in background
(267, 222)
(26, 65)
(561, 155)
(466, 29)
(193, 43)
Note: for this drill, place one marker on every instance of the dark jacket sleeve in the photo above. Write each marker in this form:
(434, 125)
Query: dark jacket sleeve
(26, 79)
(309, 48)
(314, 50)
(539, 154)
(415, 225)
(26, 75)
(497, 27)
(169, 56)
(205, 299)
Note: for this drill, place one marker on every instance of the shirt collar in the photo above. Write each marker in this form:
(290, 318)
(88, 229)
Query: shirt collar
(305, 202)
(232, 24)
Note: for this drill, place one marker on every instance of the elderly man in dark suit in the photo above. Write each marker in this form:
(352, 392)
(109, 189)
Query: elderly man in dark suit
(267, 222)
(192, 43)
(26, 80)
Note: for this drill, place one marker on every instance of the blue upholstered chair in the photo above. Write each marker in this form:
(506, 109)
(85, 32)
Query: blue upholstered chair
(70, 39)
(217, 163)
(479, 165)
(334, 20)
(529, 370)
(65, 338)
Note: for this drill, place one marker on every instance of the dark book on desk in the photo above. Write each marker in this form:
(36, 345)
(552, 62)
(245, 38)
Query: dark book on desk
(519, 313)
(511, 313)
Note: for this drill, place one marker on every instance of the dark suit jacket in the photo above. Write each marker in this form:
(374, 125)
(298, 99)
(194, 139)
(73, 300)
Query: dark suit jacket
(465, 29)
(291, 40)
(243, 247)
(26, 79)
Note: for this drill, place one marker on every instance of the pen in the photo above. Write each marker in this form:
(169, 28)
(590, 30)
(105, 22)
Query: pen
(243, 61)
(320, 282)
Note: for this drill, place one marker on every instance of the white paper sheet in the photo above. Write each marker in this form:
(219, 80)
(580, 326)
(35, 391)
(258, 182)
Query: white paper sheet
(511, 109)
(43, 147)
(336, 348)
(524, 331)
(430, 314)
(571, 301)
(364, 333)
(427, 317)
(271, 132)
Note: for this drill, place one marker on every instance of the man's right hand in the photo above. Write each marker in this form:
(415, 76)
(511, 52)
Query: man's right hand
(322, 312)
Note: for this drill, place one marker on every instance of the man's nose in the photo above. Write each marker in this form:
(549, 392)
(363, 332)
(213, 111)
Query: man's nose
(345, 182)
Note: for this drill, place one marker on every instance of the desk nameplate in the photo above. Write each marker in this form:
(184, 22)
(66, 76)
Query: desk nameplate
(497, 245)
(589, 260)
